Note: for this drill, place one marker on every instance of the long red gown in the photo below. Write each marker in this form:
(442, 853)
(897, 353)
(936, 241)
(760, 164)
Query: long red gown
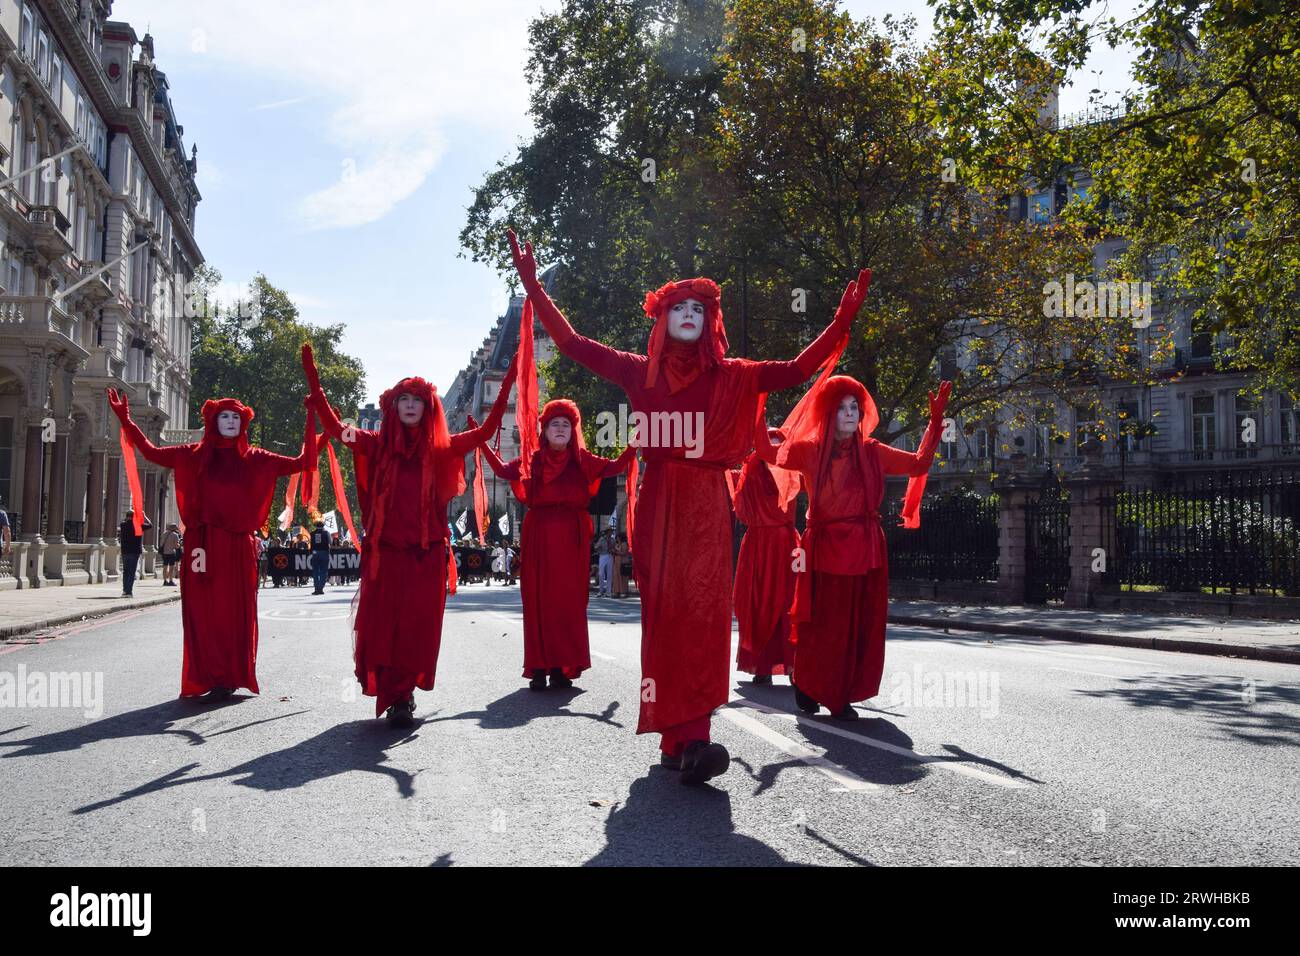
(682, 555)
(224, 488)
(397, 631)
(765, 576)
(555, 545)
(842, 598)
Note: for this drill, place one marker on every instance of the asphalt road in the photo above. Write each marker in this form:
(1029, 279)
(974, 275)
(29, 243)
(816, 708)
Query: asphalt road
(1054, 753)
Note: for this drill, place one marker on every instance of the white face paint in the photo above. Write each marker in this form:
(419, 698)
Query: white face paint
(558, 432)
(228, 424)
(410, 409)
(847, 417)
(686, 320)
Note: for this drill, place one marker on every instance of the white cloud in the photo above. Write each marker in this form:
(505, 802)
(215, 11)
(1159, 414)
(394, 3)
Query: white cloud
(398, 73)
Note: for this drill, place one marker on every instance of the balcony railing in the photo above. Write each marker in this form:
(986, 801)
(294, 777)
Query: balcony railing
(33, 313)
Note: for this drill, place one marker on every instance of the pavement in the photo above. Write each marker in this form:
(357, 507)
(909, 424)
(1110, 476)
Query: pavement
(32, 609)
(978, 752)
(1277, 641)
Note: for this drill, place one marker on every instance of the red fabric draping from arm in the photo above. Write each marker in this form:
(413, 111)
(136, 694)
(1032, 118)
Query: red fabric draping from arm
(917, 465)
(480, 496)
(132, 480)
(526, 398)
(340, 494)
(801, 425)
(286, 516)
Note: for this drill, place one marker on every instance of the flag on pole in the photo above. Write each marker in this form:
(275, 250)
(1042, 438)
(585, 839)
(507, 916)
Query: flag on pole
(331, 521)
(504, 523)
(461, 522)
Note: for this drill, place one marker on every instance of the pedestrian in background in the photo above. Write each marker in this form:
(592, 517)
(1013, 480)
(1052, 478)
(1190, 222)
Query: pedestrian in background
(132, 546)
(320, 556)
(605, 562)
(170, 546)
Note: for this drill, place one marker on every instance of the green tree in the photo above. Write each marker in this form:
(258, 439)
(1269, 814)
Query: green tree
(249, 349)
(791, 146)
(1198, 168)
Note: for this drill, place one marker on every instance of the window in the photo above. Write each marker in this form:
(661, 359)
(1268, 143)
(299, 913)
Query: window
(6, 461)
(1127, 423)
(1202, 340)
(1249, 426)
(1040, 207)
(1085, 426)
(1203, 431)
(1289, 433)
(26, 33)
(43, 57)
(56, 79)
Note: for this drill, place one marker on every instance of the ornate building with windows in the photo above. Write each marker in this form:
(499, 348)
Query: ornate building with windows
(97, 204)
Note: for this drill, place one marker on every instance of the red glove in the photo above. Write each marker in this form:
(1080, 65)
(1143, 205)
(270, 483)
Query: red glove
(309, 367)
(940, 402)
(854, 295)
(525, 262)
(117, 401)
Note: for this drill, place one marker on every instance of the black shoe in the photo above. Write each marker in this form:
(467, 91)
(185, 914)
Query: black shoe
(558, 680)
(670, 761)
(804, 702)
(848, 713)
(703, 761)
(402, 713)
(761, 679)
(317, 592)
(220, 693)
(539, 681)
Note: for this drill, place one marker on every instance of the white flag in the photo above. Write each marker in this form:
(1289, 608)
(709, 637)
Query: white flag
(286, 517)
(331, 521)
(460, 522)
(504, 524)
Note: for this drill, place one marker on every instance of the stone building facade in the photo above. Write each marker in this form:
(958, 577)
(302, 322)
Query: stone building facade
(97, 249)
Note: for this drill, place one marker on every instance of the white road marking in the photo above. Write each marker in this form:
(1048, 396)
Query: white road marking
(939, 762)
(1069, 670)
(845, 779)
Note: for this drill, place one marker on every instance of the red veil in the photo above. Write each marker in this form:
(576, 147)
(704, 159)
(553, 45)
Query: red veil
(443, 477)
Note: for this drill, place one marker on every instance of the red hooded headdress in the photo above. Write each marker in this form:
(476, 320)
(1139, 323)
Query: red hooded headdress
(682, 362)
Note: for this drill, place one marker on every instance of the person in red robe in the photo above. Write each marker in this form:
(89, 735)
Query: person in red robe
(223, 490)
(556, 542)
(686, 385)
(842, 593)
(765, 576)
(407, 474)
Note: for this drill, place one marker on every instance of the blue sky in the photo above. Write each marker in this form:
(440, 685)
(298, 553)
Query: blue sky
(338, 146)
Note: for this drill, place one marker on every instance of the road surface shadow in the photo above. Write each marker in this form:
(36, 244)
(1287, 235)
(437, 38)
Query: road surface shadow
(519, 707)
(157, 719)
(663, 823)
(1250, 711)
(870, 763)
(359, 745)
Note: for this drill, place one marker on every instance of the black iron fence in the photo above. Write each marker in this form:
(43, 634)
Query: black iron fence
(957, 539)
(1047, 544)
(1234, 531)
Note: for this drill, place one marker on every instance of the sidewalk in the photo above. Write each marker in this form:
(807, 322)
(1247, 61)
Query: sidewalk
(1277, 641)
(33, 608)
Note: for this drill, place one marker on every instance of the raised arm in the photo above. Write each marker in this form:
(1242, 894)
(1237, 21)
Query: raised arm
(284, 465)
(361, 439)
(898, 462)
(506, 471)
(773, 376)
(168, 456)
(606, 362)
(463, 442)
